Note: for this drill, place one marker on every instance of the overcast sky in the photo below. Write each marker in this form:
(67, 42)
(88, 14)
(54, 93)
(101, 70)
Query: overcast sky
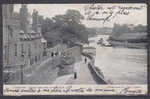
(49, 10)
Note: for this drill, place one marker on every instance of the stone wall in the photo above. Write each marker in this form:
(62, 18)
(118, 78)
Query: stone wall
(31, 72)
(97, 75)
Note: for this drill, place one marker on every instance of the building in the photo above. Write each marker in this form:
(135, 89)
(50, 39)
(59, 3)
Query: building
(22, 38)
(10, 34)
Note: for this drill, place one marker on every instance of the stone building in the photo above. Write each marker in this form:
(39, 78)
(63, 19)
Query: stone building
(23, 44)
(10, 34)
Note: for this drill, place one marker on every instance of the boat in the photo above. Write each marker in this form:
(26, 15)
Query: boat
(100, 41)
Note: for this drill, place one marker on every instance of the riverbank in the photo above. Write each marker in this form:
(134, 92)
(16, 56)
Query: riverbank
(96, 72)
(129, 40)
(141, 45)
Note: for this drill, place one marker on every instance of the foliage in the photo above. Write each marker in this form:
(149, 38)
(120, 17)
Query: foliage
(140, 28)
(120, 29)
(67, 60)
(66, 27)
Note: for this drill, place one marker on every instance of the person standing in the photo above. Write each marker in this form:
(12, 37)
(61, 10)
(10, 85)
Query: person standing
(75, 74)
(52, 54)
(85, 60)
(75, 71)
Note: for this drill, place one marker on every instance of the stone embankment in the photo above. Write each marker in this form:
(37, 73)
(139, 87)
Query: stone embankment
(96, 72)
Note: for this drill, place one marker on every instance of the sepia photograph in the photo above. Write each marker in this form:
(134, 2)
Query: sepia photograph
(75, 44)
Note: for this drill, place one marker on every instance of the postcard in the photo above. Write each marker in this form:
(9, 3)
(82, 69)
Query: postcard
(75, 49)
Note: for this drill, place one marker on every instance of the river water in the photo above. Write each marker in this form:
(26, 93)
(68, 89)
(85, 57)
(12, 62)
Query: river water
(121, 65)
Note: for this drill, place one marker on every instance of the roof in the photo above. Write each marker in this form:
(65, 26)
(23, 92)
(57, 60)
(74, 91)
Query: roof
(29, 36)
(21, 31)
(32, 31)
(29, 30)
(43, 40)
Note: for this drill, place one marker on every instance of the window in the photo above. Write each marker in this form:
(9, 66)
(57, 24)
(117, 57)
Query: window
(35, 58)
(10, 31)
(4, 53)
(22, 50)
(31, 61)
(39, 56)
(15, 49)
(29, 50)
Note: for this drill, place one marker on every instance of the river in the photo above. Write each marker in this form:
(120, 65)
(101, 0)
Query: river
(121, 65)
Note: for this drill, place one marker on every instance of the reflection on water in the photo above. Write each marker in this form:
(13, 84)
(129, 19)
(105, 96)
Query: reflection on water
(121, 65)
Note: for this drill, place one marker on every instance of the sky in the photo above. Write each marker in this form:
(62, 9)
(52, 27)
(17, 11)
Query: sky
(134, 16)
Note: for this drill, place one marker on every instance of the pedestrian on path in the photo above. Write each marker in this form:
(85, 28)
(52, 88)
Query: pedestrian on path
(75, 72)
(75, 75)
(52, 54)
(85, 60)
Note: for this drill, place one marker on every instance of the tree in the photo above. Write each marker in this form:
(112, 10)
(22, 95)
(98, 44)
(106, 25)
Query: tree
(116, 30)
(140, 28)
(69, 27)
(120, 29)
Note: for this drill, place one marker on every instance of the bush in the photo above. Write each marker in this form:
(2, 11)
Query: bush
(67, 60)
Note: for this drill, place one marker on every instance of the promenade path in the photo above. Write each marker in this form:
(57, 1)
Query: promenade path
(63, 79)
(84, 75)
